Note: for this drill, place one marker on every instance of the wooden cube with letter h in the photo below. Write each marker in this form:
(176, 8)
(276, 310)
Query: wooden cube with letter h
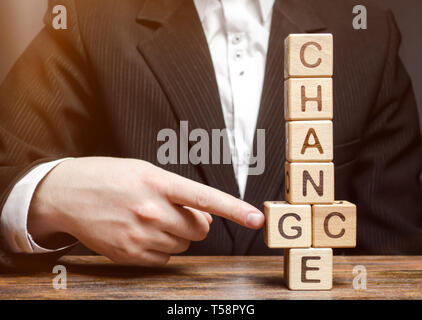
(308, 99)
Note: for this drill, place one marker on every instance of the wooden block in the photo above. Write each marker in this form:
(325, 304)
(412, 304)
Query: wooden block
(308, 99)
(287, 226)
(334, 225)
(309, 141)
(309, 183)
(308, 55)
(308, 269)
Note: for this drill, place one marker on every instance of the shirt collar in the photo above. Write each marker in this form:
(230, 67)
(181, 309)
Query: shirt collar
(266, 7)
(204, 6)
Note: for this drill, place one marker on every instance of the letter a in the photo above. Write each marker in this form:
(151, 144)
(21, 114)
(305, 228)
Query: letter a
(316, 143)
(361, 20)
(60, 20)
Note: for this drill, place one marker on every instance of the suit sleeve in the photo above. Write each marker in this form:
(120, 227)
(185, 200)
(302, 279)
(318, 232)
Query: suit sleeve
(48, 110)
(387, 184)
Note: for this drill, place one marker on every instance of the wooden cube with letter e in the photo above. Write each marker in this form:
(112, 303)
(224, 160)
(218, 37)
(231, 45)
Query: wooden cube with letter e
(308, 269)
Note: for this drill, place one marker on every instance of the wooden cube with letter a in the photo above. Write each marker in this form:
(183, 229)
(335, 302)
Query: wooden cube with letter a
(309, 141)
(308, 269)
(334, 225)
(287, 226)
(309, 183)
(308, 55)
(308, 99)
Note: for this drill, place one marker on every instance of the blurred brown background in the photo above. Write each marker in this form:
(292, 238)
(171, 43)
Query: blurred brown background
(20, 20)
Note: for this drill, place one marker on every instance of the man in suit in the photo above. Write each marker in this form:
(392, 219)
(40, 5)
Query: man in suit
(81, 110)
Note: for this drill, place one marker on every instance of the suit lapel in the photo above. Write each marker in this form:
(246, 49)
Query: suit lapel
(178, 55)
(289, 16)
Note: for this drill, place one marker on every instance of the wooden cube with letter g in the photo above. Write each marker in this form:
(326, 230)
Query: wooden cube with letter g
(287, 226)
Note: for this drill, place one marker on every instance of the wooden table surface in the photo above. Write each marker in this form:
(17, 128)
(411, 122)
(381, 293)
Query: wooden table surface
(95, 277)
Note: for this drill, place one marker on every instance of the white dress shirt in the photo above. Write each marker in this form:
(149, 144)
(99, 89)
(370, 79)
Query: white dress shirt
(237, 32)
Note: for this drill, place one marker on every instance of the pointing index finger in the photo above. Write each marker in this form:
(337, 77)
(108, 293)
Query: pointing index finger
(190, 193)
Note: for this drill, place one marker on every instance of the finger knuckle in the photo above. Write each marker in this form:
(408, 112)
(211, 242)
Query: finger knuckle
(202, 232)
(157, 260)
(181, 246)
(202, 198)
(135, 237)
(127, 255)
(149, 210)
(156, 183)
(186, 246)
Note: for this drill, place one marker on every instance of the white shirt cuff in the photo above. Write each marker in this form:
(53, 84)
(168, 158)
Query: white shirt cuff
(14, 216)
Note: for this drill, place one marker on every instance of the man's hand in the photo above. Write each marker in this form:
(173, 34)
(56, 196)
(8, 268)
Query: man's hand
(130, 210)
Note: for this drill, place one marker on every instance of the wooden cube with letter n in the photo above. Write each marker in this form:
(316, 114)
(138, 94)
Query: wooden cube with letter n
(308, 269)
(287, 226)
(334, 225)
(309, 183)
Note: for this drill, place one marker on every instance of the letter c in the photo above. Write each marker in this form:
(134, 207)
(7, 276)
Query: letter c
(302, 54)
(327, 220)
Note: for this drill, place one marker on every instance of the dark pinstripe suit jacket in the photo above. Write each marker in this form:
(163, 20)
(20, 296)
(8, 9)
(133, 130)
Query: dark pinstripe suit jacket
(125, 69)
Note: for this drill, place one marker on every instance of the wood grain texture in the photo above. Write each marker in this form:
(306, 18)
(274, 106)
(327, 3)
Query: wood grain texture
(309, 141)
(95, 277)
(308, 99)
(286, 225)
(308, 55)
(309, 183)
(334, 225)
(308, 269)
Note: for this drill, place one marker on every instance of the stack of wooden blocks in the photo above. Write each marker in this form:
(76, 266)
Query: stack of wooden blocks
(311, 223)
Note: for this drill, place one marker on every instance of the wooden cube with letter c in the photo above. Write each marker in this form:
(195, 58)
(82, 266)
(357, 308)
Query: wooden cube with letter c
(287, 226)
(308, 55)
(308, 269)
(334, 225)
(309, 183)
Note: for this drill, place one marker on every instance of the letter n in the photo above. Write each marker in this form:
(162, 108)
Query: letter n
(318, 188)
